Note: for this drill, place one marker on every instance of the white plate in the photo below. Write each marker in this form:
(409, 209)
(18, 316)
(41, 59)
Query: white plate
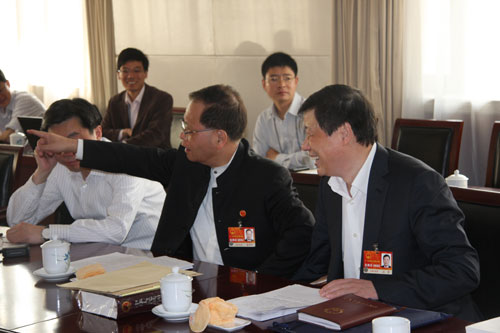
(174, 316)
(54, 277)
(238, 324)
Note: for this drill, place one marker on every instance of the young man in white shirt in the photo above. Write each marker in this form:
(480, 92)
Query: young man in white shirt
(14, 104)
(109, 208)
(279, 130)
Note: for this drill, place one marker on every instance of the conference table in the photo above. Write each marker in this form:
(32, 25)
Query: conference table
(30, 304)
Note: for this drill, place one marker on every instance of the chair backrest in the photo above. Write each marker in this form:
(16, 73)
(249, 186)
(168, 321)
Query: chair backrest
(176, 127)
(10, 157)
(435, 142)
(493, 167)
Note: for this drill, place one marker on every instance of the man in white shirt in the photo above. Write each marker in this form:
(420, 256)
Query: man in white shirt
(110, 208)
(14, 104)
(374, 201)
(279, 130)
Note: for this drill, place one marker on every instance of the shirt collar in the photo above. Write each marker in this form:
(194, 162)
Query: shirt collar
(138, 99)
(360, 182)
(217, 171)
(294, 107)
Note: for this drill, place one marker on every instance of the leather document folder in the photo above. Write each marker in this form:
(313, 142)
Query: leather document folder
(343, 312)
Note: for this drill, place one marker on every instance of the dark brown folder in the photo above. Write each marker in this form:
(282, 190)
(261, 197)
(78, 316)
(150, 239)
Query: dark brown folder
(344, 312)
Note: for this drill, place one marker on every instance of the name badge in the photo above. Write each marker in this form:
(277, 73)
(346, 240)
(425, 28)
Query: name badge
(377, 262)
(241, 236)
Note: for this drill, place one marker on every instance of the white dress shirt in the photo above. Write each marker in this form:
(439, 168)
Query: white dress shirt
(203, 234)
(133, 109)
(21, 104)
(283, 135)
(109, 208)
(353, 215)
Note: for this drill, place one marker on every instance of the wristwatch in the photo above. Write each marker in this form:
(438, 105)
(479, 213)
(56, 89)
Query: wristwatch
(46, 233)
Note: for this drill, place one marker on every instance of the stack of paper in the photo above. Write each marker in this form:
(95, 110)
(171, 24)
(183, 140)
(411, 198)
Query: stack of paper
(115, 261)
(277, 303)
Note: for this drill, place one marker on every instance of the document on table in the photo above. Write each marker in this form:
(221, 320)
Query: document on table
(115, 261)
(277, 303)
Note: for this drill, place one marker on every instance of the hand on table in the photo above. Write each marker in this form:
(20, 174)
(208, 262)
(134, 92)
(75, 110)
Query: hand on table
(340, 287)
(126, 133)
(25, 233)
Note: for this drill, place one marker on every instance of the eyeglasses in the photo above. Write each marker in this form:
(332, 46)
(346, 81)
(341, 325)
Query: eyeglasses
(126, 71)
(274, 79)
(189, 132)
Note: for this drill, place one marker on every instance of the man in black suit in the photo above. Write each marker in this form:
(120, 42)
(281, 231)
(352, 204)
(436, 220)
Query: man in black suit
(373, 200)
(217, 188)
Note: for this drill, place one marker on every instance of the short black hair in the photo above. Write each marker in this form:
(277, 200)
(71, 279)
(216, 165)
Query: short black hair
(131, 54)
(224, 109)
(386, 256)
(65, 109)
(279, 59)
(2, 77)
(338, 104)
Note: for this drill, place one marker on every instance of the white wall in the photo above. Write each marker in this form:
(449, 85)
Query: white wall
(195, 43)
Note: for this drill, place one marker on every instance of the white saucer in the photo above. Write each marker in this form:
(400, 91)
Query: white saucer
(54, 277)
(238, 324)
(174, 316)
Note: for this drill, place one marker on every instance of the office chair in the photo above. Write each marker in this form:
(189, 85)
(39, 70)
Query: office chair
(493, 167)
(435, 142)
(10, 157)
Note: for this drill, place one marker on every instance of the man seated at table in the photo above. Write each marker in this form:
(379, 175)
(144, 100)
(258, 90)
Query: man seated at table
(14, 104)
(141, 114)
(109, 208)
(374, 200)
(217, 188)
(279, 130)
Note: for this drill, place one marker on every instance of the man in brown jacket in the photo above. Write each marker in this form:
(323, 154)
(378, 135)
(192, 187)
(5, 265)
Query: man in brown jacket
(141, 114)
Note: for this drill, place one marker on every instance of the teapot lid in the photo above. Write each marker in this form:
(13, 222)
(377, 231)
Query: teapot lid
(53, 243)
(175, 276)
(456, 176)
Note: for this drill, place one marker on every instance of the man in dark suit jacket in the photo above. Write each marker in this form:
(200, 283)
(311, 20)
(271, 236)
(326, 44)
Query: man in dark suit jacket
(217, 188)
(141, 114)
(401, 206)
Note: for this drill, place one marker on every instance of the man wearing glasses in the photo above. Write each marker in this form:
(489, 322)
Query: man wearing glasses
(217, 189)
(279, 130)
(141, 114)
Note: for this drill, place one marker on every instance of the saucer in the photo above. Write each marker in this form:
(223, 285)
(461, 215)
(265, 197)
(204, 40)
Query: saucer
(238, 324)
(174, 316)
(56, 276)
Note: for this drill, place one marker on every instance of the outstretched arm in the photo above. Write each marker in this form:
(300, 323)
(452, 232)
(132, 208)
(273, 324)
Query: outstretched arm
(51, 143)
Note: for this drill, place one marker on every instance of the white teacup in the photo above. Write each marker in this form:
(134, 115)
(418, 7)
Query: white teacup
(391, 325)
(55, 256)
(176, 291)
(17, 139)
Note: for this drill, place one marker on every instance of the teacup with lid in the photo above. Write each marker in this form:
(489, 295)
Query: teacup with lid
(55, 256)
(176, 291)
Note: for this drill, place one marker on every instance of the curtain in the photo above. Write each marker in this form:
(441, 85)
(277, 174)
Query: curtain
(451, 71)
(102, 51)
(44, 48)
(367, 54)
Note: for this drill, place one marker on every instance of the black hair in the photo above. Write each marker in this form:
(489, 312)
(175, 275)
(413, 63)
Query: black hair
(279, 59)
(65, 109)
(224, 109)
(2, 77)
(338, 104)
(131, 54)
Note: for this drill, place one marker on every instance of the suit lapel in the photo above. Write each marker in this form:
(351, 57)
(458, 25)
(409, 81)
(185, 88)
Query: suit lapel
(334, 218)
(375, 201)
